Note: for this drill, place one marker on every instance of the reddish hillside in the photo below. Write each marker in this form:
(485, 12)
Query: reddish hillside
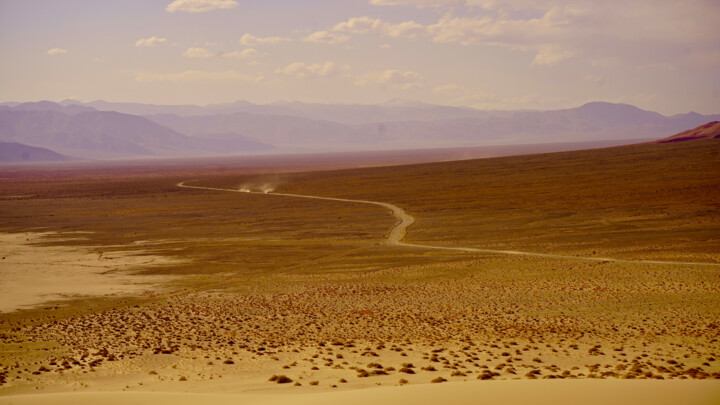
(706, 131)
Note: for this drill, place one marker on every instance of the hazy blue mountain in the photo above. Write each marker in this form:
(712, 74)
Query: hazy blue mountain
(281, 131)
(107, 134)
(354, 114)
(590, 122)
(13, 152)
(349, 114)
(222, 143)
(48, 106)
(103, 134)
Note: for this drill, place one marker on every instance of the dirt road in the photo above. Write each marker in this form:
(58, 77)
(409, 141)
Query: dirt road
(397, 233)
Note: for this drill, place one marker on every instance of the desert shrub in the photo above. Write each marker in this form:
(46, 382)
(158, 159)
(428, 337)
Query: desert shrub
(281, 379)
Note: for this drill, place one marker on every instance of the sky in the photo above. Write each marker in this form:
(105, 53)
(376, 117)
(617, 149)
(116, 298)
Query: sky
(659, 55)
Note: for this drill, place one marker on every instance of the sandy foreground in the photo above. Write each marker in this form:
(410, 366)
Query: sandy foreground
(33, 274)
(494, 392)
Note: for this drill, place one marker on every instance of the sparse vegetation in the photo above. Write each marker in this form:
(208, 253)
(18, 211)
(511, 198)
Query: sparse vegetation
(312, 308)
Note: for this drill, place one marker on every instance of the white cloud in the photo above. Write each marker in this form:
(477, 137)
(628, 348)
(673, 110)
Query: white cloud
(365, 25)
(198, 53)
(251, 40)
(407, 29)
(57, 51)
(326, 37)
(301, 70)
(550, 55)
(150, 42)
(641, 32)
(392, 78)
(419, 3)
(250, 53)
(486, 4)
(596, 79)
(360, 25)
(197, 76)
(200, 6)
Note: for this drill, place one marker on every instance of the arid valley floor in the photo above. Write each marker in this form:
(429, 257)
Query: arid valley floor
(173, 289)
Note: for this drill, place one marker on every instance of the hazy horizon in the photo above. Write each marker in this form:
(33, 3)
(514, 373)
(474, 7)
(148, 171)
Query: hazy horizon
(393, 102)
(491, 55)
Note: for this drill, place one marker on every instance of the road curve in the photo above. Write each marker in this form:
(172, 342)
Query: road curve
(398, 231)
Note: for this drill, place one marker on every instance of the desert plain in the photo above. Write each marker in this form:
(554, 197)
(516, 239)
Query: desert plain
(547, 278)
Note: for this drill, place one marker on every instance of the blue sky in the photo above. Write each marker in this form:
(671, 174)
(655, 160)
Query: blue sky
(523, 54)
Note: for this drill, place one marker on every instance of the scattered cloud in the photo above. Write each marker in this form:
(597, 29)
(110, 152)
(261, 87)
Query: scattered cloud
(640, 33)
(360, 25)
(57, 51)
(200, 6)
(197, 76)
(596, 79)
(150, 42)
(403, 80)
(407, 29)
(300, 70)
(550, 55)
(326, 37)
(251, 40)
(201, 53)
(365, 25)
(249, 53)
(419, 3)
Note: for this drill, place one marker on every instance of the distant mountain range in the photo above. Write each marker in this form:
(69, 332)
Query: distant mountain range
(11, 152)
(349, 114)
(102, 130)
(106, 134)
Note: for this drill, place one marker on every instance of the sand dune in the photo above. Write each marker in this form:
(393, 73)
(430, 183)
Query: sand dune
(586, 392)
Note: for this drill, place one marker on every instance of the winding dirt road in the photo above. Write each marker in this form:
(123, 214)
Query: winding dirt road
(398, 231)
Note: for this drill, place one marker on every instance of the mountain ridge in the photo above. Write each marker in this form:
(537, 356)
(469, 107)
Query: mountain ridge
(711, 130)
(78, 129)
(13, 152)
